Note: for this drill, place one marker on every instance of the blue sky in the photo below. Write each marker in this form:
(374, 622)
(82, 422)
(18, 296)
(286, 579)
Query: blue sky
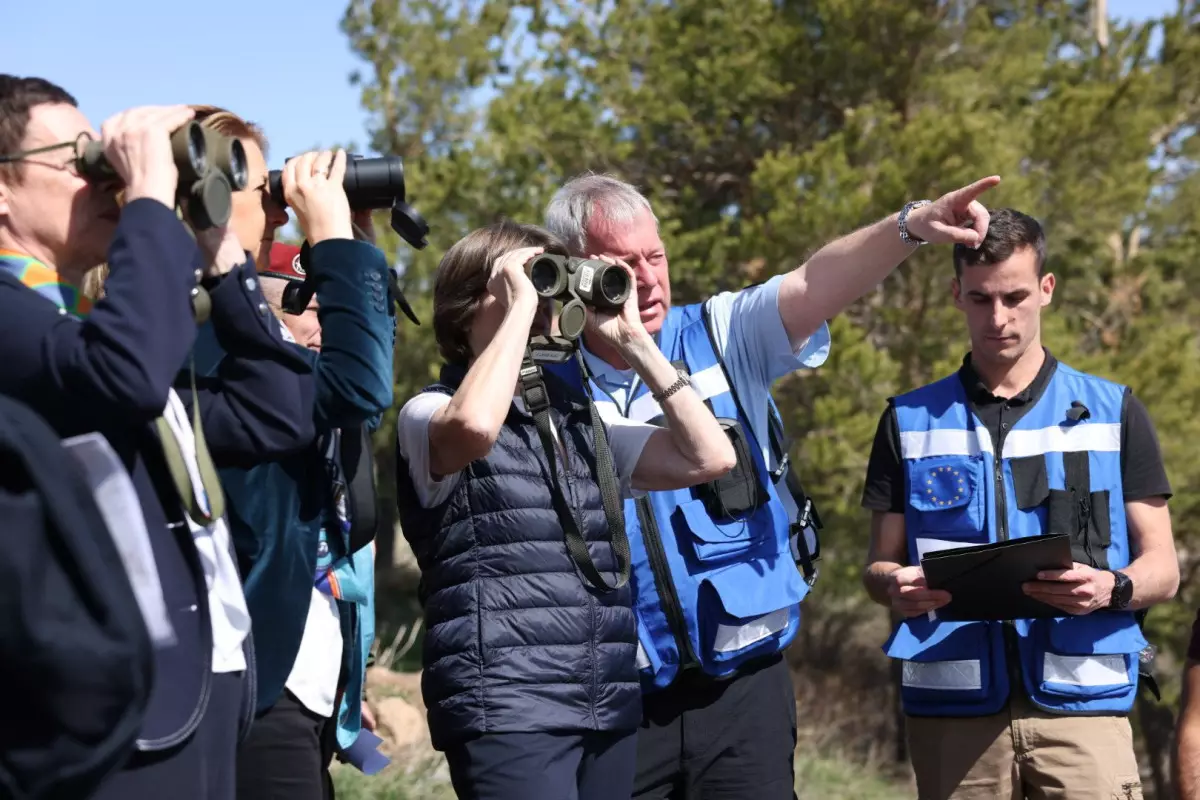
(285, 65)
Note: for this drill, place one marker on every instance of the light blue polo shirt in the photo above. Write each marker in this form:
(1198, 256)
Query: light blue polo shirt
(754, 344)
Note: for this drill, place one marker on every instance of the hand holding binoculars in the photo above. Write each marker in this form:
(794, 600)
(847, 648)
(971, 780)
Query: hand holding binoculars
(372, 183)
(211, 167)
(578, 283)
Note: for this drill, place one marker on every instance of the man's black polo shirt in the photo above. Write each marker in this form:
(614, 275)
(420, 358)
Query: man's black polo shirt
(1142, 471)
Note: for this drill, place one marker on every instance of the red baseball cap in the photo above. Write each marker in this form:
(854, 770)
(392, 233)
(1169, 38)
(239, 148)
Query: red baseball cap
(285, 263)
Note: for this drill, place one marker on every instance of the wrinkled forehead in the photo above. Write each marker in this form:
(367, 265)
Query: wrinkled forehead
(54, 123)
(628, 236)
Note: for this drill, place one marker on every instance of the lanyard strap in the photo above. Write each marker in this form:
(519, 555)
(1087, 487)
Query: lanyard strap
(203, 511)
(537, 403)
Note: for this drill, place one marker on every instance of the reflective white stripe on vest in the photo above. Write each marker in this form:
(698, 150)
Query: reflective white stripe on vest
(944, 442)
(734, 637)
(1085, 670)
(943, 675)
(642, 661)
(706, 383)
(1097, 437)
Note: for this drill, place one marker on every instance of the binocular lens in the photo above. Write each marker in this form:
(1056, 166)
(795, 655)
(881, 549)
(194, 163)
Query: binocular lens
(237, 171)
(548, 277)
(614, 285)
(226, 153)
(190, 148)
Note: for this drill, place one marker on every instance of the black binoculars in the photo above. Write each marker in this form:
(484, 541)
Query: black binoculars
(372, 183)
(579, 282)
(212, 166)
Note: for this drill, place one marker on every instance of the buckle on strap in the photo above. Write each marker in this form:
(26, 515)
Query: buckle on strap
(533, 388)
(807, 521)
(781, 469)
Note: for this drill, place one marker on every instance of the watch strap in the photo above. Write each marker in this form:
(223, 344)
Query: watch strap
(1122, 590)
(902, 222)
(684, 380)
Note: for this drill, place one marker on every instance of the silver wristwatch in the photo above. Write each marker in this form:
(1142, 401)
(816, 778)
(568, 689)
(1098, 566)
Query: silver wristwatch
(684, 380)
(902, 222)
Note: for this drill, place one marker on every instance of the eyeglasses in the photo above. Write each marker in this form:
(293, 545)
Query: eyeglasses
(72, 165)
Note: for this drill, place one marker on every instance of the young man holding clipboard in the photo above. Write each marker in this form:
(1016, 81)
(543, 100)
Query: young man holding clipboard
(1014, 445)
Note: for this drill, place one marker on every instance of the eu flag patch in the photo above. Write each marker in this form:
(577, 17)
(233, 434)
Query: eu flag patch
(945, 486)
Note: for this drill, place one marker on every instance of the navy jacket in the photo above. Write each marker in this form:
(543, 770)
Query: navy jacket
(65, 601)
(111, 374)
(515, 640)
(276, 510)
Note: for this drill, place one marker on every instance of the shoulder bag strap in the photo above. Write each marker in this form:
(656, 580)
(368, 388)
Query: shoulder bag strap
(200, 513)
(807, 552)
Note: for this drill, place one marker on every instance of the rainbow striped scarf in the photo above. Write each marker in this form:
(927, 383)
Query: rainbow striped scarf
(45, 281)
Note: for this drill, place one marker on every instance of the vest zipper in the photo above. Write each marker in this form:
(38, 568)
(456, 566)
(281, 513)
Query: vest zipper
(656, 555)
(662, 582)
(1012, 654)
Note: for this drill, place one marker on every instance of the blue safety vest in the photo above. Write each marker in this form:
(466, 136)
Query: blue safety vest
(959, 493)
(712, 590)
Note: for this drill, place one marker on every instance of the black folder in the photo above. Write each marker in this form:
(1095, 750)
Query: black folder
(984, 581)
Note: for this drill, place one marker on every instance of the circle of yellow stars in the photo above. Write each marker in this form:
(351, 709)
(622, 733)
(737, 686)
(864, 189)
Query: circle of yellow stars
(958, 494)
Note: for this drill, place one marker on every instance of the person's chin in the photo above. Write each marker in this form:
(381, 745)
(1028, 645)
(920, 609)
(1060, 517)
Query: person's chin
(1007, 349)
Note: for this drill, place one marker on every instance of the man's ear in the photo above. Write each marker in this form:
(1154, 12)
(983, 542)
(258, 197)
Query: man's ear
(1047, 286)
(956, 292)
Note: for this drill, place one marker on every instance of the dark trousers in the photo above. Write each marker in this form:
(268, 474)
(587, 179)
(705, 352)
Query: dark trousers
(287, 754)
(544, 766)
(720, 740)
(201, 768)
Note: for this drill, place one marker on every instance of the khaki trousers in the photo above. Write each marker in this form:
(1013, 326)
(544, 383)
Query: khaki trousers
(1023, 752)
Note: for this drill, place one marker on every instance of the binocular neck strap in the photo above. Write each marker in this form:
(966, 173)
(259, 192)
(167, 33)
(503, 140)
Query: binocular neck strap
(537, 404)
(201, 513)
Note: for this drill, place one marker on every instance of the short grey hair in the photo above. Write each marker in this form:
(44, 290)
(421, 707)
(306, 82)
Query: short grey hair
(571, 209)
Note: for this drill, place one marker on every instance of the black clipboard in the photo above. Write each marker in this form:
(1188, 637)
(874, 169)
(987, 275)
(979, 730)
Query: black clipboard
(984, 581)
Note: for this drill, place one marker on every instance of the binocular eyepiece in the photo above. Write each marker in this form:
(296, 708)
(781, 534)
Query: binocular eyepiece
(211, 167)
(579, 282)
(370, 184)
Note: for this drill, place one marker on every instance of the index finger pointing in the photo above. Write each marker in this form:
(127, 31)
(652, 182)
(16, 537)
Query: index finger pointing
(968, 193)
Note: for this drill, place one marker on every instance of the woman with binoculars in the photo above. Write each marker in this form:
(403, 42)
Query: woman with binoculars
(506, 484)
(116, 373)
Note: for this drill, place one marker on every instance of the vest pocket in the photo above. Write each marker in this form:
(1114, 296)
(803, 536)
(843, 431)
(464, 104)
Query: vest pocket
(1086, 520)
(1031, 485)
(1092, 656)
(947, 494)
(739, 491)
(714, 541)
(945, 663)
(742, 610)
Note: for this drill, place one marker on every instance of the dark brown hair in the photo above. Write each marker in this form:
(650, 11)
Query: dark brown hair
(1008, 232)
(462, 278)
(230, 124)
(18, 96)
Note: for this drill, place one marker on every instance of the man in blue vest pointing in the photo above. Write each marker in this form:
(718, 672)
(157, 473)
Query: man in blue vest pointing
(1017, 444)
(717, 588)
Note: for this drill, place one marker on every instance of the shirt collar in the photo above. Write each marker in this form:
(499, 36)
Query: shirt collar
(604, 373)
(978, 392)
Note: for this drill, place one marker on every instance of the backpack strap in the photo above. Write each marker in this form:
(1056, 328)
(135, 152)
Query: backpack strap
(805, 543)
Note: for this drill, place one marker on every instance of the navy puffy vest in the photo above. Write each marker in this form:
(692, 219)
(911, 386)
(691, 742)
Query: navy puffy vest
(515, 641)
